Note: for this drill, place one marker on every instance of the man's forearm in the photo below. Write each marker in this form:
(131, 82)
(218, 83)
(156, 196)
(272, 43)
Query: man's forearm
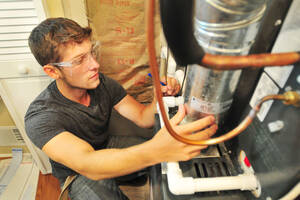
(109, 163)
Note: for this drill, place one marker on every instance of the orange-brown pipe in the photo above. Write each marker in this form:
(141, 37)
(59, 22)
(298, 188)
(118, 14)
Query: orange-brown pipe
(221, 62)
(215, 62)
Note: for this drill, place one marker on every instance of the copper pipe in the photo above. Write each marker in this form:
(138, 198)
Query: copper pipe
(259, 61)
(221, 62)
(3, 158)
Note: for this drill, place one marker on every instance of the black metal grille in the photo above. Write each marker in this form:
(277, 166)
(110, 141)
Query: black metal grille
(209, 167)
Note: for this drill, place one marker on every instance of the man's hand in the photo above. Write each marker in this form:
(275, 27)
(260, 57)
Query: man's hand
(172, 86)
(168, 149)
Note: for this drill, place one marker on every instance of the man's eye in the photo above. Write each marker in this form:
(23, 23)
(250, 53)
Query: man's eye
(94, 53)
(84, 58)
(79, 60)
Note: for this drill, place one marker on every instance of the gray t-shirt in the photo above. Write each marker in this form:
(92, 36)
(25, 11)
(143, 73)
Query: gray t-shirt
(51, 113)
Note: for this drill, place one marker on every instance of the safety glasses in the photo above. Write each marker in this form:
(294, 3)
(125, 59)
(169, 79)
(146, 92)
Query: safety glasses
(80, 60)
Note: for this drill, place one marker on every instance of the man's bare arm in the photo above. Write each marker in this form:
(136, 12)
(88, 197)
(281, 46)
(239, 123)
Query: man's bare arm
(78, 155)
(141, 115)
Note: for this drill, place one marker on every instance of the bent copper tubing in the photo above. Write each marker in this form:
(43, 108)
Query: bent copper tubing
(215, 62)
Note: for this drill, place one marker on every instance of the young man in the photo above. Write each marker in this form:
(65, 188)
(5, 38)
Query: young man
(69, 119)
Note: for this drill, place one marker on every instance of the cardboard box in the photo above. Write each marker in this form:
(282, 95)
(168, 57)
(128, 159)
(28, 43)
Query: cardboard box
(120, 26)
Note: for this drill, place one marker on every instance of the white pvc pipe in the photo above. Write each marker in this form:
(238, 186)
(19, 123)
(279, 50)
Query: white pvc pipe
(293, 194)
(241, 182)
(180, 185)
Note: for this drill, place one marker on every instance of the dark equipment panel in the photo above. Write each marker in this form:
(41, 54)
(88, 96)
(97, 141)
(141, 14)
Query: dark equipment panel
(275, 156)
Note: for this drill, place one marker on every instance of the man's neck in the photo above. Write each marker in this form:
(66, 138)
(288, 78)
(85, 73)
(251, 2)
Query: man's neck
(74, 94)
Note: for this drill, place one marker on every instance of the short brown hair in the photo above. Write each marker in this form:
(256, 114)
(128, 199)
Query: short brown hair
(45, 39)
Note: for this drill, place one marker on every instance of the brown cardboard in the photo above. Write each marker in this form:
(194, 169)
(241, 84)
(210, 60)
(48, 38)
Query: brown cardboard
(120, 26)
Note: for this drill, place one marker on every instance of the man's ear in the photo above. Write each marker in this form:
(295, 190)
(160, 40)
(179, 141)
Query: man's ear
(52, 71)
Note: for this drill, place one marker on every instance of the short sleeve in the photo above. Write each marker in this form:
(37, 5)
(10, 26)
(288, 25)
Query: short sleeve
(116, 91)
(43, 126)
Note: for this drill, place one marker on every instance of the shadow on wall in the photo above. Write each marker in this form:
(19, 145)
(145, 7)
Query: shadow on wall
(5, 118)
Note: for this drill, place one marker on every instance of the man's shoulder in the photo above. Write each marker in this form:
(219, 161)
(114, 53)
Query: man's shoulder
(108, 81)
(42, 101)
(46, 94)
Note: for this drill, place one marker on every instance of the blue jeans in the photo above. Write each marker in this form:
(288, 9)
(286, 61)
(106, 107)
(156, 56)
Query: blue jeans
(83, 188)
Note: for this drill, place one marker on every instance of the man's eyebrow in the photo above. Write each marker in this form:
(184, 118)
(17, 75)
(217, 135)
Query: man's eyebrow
(78, 56)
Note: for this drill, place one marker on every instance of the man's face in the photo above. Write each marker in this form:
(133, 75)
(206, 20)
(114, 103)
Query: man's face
(83, 72)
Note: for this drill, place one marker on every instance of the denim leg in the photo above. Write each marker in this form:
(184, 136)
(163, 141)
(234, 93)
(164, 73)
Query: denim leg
(116, 141)
(85, 189)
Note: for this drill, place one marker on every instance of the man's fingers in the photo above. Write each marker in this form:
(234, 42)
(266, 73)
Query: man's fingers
(163, 79)
(171, 83)
(179, 115)
(172, 87)
(210, 131)
(196, 150)
(205, 134)
(197, 125)
(164, 89)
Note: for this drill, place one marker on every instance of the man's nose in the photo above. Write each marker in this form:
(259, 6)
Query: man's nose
(93, 63)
